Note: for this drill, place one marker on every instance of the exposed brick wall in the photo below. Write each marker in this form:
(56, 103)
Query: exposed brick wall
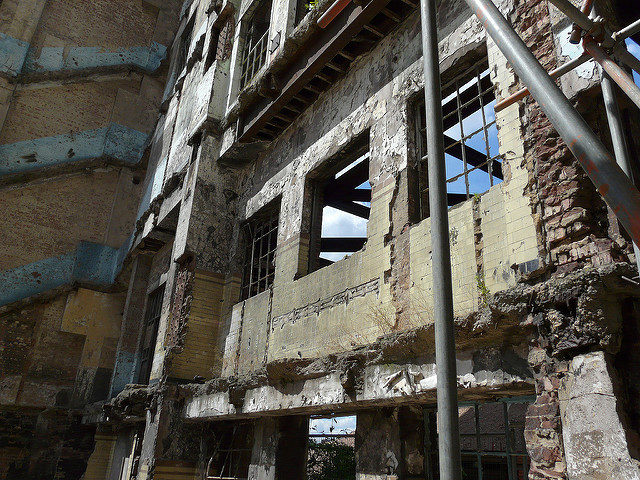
(44, 445)
(573, 216)
(109, 24)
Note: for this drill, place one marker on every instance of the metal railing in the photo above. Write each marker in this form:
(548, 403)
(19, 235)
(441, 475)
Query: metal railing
(254, 58)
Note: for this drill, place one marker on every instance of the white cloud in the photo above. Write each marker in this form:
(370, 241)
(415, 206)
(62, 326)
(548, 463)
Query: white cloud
(335, 425)
(336, 223)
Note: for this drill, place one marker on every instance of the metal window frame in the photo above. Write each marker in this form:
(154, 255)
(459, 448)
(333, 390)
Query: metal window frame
(254, 53)
(259, 262)
(431, 450)
(477, 72)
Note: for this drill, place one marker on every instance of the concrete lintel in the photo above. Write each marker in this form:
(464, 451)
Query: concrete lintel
(381, 385)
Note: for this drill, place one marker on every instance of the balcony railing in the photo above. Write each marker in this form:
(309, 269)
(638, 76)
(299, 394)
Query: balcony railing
(253, 60)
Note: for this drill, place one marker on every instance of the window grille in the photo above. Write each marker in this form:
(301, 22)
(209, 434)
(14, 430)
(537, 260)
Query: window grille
(232, 454)
(473, 163)
(256, 43)
(331, 448)
(150, 333)
(491, 440)
(261, 234)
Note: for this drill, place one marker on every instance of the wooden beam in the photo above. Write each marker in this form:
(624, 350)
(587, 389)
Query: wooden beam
(355, 195)
(335, 67)
(312, 89)
(342, 244)
(351, 207)
(391, 14)
(374, 30)
(329, 42)
(473, 157)
(346, 55)
(324, 78)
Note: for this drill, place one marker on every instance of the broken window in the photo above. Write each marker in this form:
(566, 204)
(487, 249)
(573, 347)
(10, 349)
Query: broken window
(331, 448)
(231, 453)
(473, 163)
(340, 205)
(491, 440)
(261, 236)
(150, 333)
(256, 43)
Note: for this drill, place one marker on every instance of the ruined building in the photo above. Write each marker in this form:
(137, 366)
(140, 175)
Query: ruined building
(216, 250)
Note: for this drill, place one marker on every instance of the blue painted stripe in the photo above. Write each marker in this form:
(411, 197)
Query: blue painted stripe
(17, 56)
(90, 263)
(54, 59)
(12, 54)
(116, 141)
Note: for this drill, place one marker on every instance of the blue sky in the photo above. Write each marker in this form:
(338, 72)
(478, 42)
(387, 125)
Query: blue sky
(634, 48)
(334, 425)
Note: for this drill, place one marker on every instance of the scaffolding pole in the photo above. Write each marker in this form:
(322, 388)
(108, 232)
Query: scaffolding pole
(448, 429)
(620, 147)
(608, 178)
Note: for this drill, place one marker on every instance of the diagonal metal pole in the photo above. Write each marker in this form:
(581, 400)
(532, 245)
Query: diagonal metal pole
(608, 178)
(620, 148)
(448, 429)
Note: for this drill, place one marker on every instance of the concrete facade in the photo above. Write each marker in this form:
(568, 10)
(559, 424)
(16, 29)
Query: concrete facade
(140, 157)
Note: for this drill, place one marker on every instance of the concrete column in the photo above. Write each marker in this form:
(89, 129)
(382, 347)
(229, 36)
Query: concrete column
(265, 446)
(595, 442)
(378, 451)
(126, 363)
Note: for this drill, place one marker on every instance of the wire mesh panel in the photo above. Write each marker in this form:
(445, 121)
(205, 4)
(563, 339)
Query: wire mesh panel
(232, 454)
(473, 163)
(255, 50)
(491, 440)
(150, 332)
(261, 234)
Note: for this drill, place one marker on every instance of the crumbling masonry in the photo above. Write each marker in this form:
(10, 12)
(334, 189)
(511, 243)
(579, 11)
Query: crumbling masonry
(216, 242)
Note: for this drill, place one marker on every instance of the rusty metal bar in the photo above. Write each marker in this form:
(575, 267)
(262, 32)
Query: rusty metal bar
(583, 21)
(617, 74)
(627, 58)
(557, 73)
(608, 178)
(576, 33)
(332, 12)
(627, 32)
(618, 137)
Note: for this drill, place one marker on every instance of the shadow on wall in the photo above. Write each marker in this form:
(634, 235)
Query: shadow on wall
(90, 263)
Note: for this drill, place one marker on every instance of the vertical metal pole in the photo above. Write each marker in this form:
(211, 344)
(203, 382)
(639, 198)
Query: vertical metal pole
(618, 139)
(448, 432)
(610, 181)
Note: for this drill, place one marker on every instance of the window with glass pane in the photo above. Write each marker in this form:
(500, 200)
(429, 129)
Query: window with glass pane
(255, 50)
(473, 163)
(491, 440)
(261, 236)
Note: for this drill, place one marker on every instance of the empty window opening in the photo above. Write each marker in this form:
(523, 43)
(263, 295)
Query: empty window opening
(341, 206)
(491, 440)
(150, 333)
(261, 236)
(255, 50)
(185, 44)
(331, 448)
(212, 52)
(231, 453)
(473, 162)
